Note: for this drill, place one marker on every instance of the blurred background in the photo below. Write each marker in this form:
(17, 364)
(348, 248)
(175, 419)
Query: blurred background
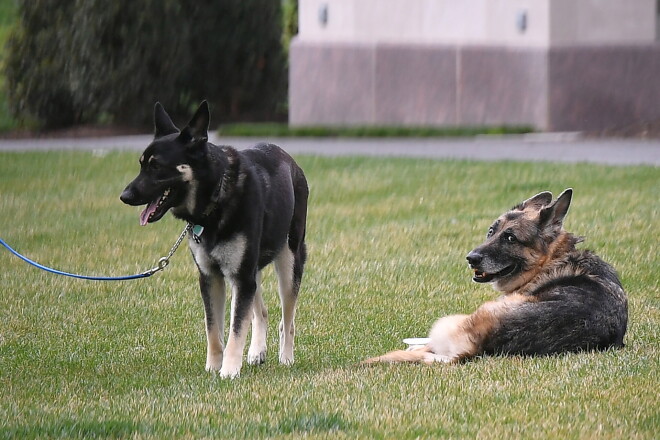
(550, 65)
(71, 62)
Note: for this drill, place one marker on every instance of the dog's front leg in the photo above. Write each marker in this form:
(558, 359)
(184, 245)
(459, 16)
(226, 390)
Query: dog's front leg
(243, 291)
(213, 293)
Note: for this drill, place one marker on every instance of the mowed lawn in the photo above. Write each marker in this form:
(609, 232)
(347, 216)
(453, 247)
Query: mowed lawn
(387, 240)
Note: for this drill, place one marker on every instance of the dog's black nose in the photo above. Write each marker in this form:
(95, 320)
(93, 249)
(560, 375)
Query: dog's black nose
(127, 196)
(474, 258)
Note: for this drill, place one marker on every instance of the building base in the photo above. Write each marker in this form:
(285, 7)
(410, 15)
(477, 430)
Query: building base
(550, 89)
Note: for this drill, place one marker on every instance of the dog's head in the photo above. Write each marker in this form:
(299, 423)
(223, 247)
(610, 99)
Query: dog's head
(165, 174)
(519, 241)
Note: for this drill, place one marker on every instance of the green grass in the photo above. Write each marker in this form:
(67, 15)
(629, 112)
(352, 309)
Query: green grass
(387, 240)
(284, 130)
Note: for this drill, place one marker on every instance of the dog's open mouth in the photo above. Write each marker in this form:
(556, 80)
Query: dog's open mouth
(483, 277)
(154, 210)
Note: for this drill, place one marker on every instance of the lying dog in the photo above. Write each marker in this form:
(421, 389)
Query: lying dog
(556, 298)
(248, 209)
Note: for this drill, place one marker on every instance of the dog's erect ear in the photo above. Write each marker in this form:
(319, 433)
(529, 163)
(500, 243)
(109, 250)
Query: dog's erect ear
(198, 127)
(537, 202)
(162, 122)
(552, 216)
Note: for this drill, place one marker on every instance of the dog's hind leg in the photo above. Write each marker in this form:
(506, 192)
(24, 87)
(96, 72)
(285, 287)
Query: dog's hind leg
(453, 338)
(289, 265)
(213, 293)
(257, 350)
(422, 354)
(450, 342)
(459, 337)
(288, 289)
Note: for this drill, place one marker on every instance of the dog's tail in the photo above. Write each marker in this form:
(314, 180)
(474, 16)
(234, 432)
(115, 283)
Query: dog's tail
(298, 223)
(421, 354)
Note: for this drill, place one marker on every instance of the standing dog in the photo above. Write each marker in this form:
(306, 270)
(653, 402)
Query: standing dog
(249, 209)
(556, 298)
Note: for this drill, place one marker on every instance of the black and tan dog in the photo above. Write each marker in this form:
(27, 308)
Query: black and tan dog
(556, 298)
(249, 209)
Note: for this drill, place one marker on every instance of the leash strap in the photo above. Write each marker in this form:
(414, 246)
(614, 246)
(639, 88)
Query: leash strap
(162, 263)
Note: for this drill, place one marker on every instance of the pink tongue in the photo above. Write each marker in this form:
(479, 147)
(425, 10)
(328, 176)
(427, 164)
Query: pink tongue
(151, 207)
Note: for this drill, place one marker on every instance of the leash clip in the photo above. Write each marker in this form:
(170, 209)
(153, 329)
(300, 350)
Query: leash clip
(163, 262)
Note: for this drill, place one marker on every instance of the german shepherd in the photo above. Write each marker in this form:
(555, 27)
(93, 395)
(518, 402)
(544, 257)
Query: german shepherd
(249, 209)
(556, 298)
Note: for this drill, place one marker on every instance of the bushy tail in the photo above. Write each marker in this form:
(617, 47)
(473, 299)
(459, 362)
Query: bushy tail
(298, 224)
(421, 354)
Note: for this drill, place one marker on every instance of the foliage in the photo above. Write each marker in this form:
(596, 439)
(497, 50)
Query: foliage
(387, 243)
(284, 130)
(289, 22)
(237, 57)
(35, 68)
(124, 55)
(73, 61)
(8, 16)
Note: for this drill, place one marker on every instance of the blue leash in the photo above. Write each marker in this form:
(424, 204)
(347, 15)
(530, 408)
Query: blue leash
(162, 263)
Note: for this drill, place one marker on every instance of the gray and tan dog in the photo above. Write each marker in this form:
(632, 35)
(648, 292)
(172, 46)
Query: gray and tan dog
(556, 298)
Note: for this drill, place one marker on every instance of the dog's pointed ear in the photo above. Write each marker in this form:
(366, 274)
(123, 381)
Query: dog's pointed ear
(552, 216)
(537, 202)
(198, 127)
(162, 122)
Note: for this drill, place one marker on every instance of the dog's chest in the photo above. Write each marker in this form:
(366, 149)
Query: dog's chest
(226, 255)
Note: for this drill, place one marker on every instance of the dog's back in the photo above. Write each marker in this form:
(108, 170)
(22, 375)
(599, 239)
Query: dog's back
(578, 304)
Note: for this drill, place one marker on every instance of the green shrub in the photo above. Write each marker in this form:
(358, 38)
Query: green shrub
(289, 22)
(238, 62)
(125, 55)
(35, 67)
(75, 61)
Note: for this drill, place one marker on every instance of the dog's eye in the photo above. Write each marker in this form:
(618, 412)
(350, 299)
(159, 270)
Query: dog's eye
(490, 232)
(509, 237)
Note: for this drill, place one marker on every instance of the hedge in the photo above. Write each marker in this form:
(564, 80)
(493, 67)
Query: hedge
(79, 61)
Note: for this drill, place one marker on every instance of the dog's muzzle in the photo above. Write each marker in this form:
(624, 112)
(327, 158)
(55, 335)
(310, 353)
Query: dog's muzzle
(128, 197)
(474, 259)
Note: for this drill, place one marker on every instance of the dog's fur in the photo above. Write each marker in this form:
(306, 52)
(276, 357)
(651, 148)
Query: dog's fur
(252, 205)
(556, 298)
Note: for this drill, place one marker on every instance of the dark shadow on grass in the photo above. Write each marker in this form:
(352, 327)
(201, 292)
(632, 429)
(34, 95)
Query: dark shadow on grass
(83, 429)
(307, 423)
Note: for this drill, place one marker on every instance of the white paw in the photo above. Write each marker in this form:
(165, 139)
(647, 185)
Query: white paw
(229, 374)
(286, 357)
(256, 356)
(213, 363)
(286, 345)
(430, 358)
(230, 369)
